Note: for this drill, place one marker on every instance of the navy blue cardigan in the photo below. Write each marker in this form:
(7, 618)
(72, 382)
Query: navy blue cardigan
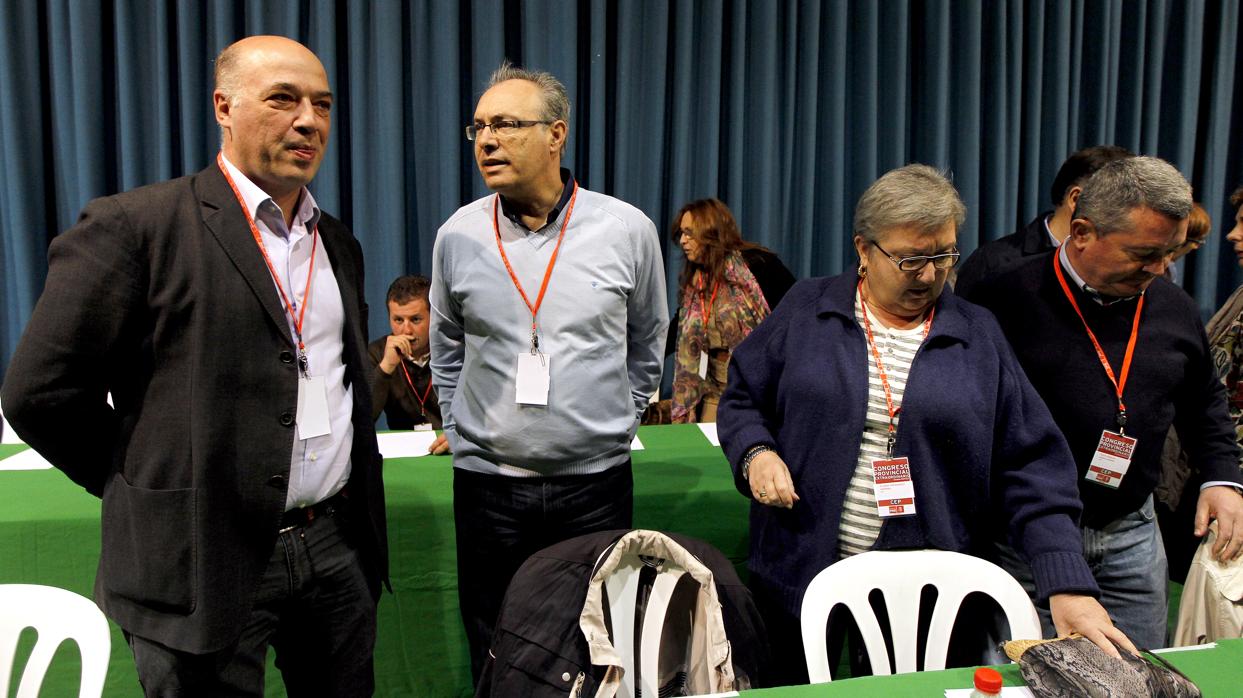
(985, 454)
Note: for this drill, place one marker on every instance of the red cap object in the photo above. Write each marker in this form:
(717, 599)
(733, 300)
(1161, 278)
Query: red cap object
(988, 680)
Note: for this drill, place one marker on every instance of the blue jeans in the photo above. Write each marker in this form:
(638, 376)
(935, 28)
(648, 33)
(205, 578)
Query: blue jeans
(1127, 558)
(501, 521)
(313, 606)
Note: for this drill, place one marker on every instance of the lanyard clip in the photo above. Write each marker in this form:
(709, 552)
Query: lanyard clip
(534, 342)
(303, 364)
(890, 442)
(1121, 420)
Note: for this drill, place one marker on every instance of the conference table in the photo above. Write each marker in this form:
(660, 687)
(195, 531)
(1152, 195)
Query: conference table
(49, 534)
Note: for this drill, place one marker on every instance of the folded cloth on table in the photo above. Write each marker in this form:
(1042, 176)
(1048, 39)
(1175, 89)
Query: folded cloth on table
(1073, 667)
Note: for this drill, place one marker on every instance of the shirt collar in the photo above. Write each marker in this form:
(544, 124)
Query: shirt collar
(262, 206)
(567, 190)
(1083, 286)
(1049, 231)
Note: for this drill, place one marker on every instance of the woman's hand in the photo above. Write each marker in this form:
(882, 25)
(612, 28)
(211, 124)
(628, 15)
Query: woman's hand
(770, 481)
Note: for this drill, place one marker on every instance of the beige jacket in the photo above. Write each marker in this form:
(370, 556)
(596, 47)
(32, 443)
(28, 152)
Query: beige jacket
(1212, 603)
(709, 669)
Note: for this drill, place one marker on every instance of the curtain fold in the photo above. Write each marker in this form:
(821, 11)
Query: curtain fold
(786, 110)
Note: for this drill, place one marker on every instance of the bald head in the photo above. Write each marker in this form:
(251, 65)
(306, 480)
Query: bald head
(238, 58)
(274, 109)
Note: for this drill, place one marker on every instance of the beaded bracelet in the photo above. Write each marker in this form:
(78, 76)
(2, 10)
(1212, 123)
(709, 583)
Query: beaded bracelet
(750, 456)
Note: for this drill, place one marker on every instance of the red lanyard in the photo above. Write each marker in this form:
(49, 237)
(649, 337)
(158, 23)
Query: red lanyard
(415, 390)
(1119, 385)
(539, 300)
(880, 365)
(297, 316)
(707, 308)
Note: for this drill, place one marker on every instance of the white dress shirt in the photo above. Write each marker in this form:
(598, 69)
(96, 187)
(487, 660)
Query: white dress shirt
(320, 466)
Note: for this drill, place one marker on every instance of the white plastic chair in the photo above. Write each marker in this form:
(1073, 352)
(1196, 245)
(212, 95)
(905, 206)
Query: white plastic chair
(901, 576)
(622, 588)
(56, 615)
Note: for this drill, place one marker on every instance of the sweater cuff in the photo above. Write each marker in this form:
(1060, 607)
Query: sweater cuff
(736, 448)
(1062, 573)
(743, 439)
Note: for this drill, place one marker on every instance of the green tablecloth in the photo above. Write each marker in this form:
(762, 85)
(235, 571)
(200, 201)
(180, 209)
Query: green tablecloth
(1218, 672)
(49, 534)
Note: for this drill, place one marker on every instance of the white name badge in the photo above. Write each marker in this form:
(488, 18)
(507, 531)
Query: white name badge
(1111, 460)
(893, 487)
(531, 385)
(703, 364)
(313, 408)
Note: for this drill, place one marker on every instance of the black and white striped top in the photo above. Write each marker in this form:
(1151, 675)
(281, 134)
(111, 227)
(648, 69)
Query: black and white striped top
(860, 523)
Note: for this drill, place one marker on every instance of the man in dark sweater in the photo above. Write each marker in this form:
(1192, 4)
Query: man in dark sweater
(401, 379)
(1046, 230)
(1119, 354)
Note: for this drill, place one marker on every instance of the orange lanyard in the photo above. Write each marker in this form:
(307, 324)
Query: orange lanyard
(708, 305)
(296, 316)
(880, 365)
(1119, 385)
(415, 390)
(539, 300)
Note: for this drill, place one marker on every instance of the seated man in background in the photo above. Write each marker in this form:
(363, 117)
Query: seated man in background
(401, 379)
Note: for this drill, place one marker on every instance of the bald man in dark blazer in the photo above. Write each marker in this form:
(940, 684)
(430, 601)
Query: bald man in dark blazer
(239, 473)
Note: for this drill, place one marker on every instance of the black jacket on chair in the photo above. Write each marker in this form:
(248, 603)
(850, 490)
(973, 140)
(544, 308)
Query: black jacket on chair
(539, 648)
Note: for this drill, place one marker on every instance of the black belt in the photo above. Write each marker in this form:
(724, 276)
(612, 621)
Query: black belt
(305, 515)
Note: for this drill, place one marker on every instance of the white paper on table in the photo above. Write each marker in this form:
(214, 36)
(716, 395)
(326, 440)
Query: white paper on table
(7, 435)
(1188, 648)
(405, 444)
(635, 444)
(26, 460)
(709, 430)
(1006, 692)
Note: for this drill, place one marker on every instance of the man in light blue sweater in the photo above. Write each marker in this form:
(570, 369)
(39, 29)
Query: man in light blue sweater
(548, 325)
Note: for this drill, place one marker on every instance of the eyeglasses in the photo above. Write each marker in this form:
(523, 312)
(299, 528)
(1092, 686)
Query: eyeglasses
(917, 262)
(501, 129)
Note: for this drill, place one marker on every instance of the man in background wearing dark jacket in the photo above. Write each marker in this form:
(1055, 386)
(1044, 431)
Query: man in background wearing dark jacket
(1046, 230)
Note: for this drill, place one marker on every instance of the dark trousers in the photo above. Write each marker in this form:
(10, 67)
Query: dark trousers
(313, 607)
(501, 521)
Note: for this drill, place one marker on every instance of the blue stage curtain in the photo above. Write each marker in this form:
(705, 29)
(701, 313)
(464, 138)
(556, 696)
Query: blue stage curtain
(786, 110)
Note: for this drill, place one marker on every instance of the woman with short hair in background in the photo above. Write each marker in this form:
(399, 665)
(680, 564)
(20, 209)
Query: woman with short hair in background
(1199, 225)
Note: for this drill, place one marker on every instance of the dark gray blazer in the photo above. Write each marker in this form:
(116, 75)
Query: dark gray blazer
(160, 296)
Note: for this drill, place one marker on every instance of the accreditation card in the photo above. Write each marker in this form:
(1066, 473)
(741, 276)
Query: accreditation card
(1111, 460)
(893, 487)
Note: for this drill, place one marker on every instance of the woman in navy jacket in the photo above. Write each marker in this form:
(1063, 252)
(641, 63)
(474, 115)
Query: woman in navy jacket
(880, 366)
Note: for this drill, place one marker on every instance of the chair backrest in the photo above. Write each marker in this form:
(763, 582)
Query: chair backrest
(901, 577)
(56, 615)
(623, 588)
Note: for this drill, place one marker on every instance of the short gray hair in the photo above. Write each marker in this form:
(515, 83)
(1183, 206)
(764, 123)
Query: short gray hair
(556, 99)
(915, 195)
(1109, 195)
